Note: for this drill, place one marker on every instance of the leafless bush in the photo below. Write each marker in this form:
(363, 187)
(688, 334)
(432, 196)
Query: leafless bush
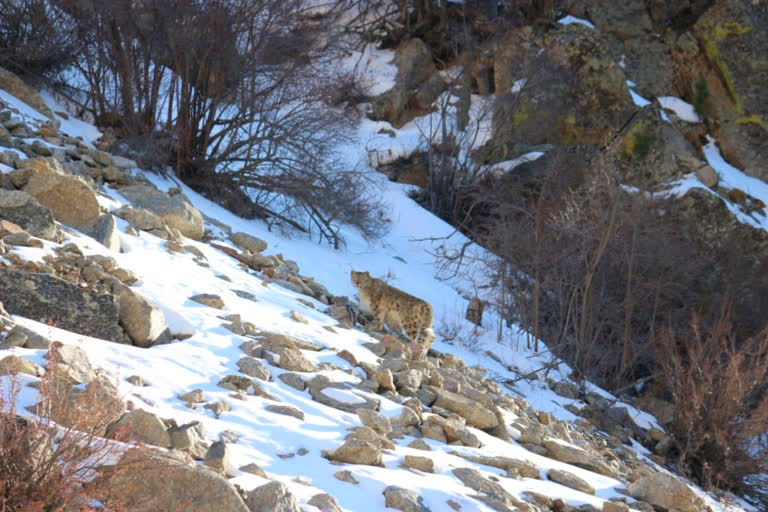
(54, 462)
(35, 37)
(717, 387)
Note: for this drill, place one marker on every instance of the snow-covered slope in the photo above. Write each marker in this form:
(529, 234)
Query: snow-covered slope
(287, 448)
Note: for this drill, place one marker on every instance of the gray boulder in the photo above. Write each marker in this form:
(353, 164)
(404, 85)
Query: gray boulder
(24, 210)
(47, 298)
(144, 322)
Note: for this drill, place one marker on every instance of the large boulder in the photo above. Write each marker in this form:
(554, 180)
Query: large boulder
(24, 210)
(143, 322)
(14, 85)
(70, 198)
(169, 485)
(666, 491)
(104, 230)
(356, 451)
(48, 299)
(417, 86)
(176, 211)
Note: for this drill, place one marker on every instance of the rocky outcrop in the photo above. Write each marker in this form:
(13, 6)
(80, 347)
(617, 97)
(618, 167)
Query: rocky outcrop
(666, 491)
(176, 211)
(417, 86)
(49, 299)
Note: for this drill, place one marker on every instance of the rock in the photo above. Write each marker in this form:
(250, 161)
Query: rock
(623, 19)
(570, 480)
(123, 163)
(475, 414)
(15, 86)
(69, 198)
(187, 437)
(254, 368)
(142, 426)
(403, 499)
(282, 340)
(421, 463)
(175, 211)
(142, 219)
(20, 336)
(272, 497)
(356, 451)
(293, 380)
(71, 361)
(385, 379)
(407, 417)
(347, 356)
(294, 361)
(342, 399)
(22, 239)
(474, 312)
(23, 209)
(144, 322)
(209, 299)
(217, 458)
(666, 491)
(615, 506)
(707, 175)
(254, 469)
(248, 242)
(104, 230)
(571, 454)
(178, 487)
(524, 468)
(374, 420)
(475, 480)
(325, 502)
(236, 383)
(417, 85)
(41, 148)
(286, 410)
(566, 389)
(196, 396)
(346, 476)
(420, 444)
(13, 364)
(218, 407)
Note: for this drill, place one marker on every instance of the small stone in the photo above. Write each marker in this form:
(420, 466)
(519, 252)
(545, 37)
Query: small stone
(570, 480)
(293, 380)
(218, 407)
(286, 410)
(209, 299)
(424, 464)
(374, 420)
(272, 497)
(346, 476)
(615, 506)
(254, 368)
(254, 469)
(356, 451)
(420, 444)
(196, 396)
(298, 317)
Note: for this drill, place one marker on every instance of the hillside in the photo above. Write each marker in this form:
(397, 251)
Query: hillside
(238, 349)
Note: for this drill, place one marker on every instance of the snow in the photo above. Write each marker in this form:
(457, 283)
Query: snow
(636, 98)
(567, 20)
(508, 165)
(682, 109)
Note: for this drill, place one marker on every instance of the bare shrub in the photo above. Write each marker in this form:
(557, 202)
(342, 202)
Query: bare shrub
(35, 37)
(54, 462)
(245, 93)
(717, 387)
